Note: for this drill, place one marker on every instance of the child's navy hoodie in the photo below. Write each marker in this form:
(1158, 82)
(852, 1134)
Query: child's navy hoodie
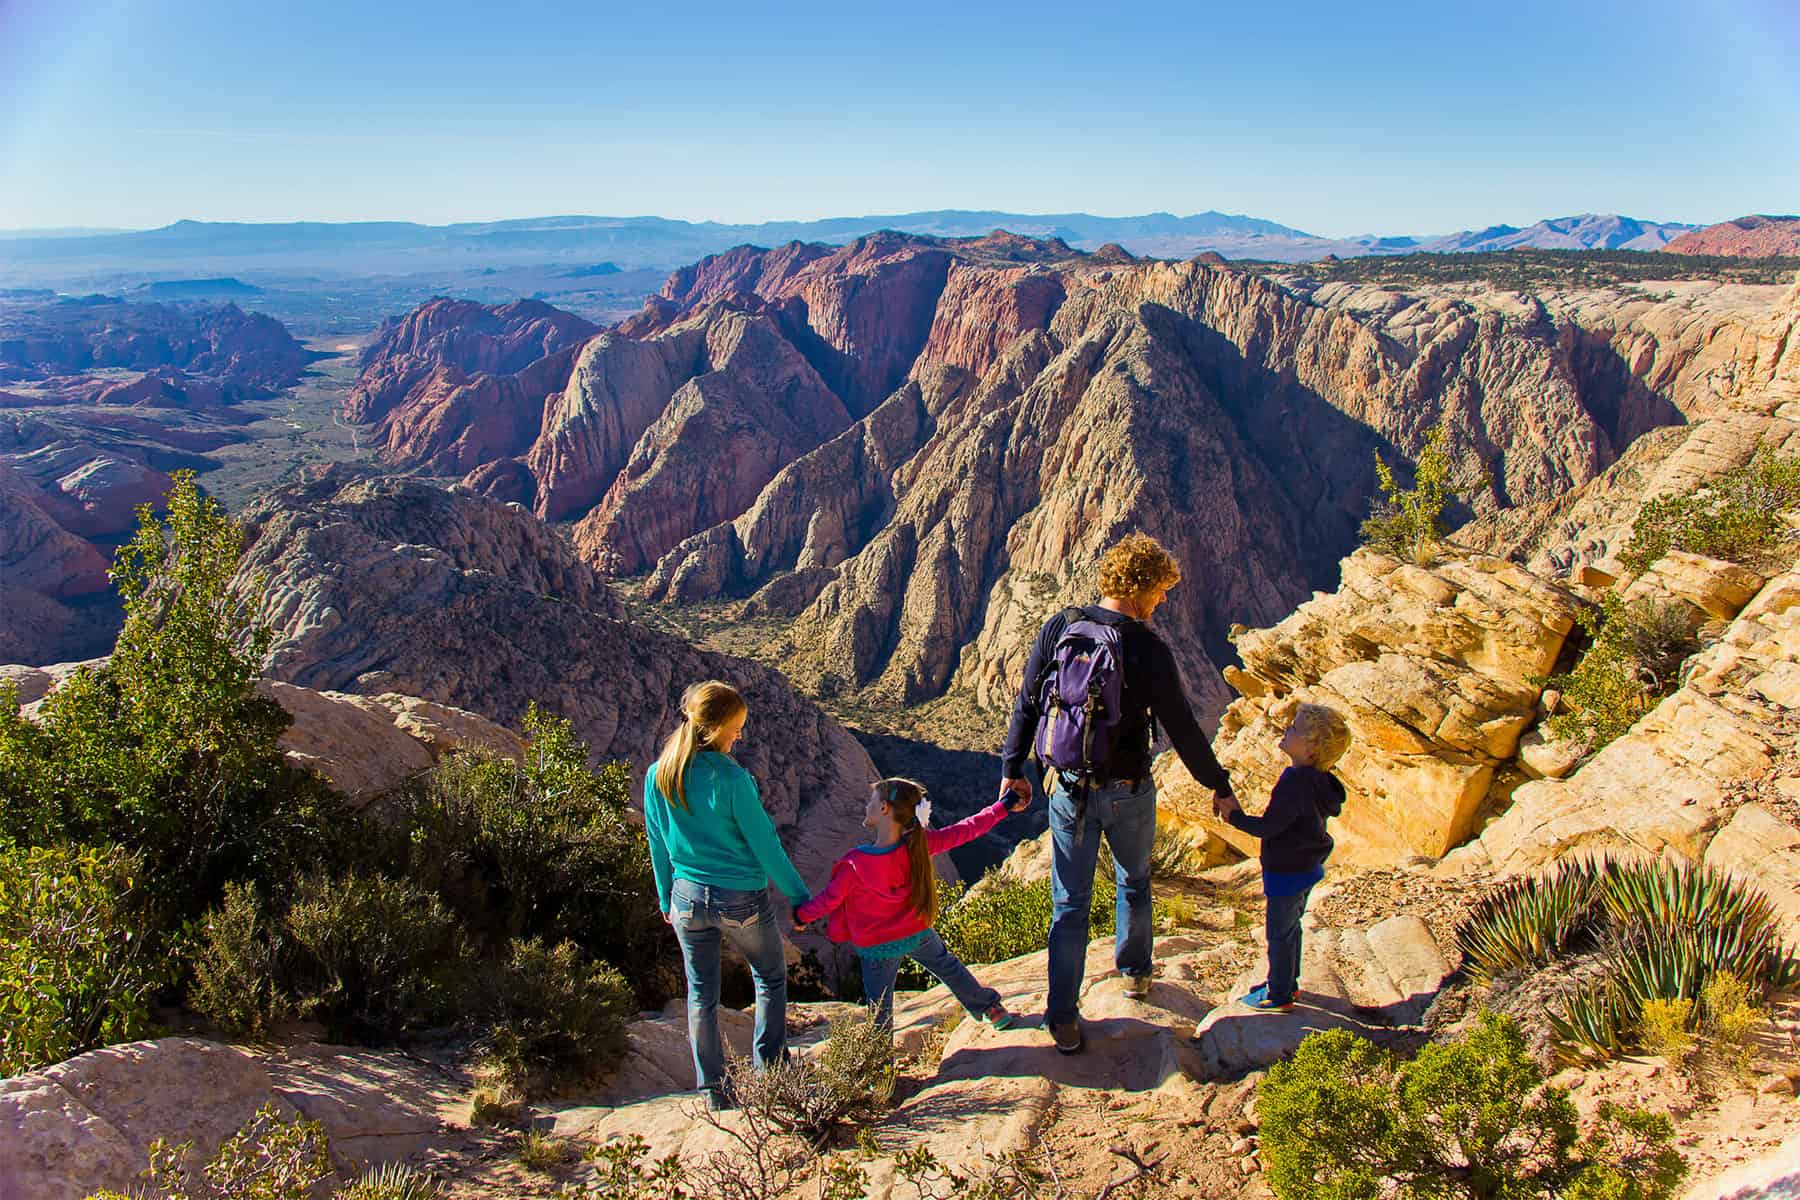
(1292, 828)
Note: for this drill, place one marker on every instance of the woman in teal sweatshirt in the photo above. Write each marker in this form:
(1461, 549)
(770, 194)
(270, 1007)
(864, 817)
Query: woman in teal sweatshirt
(715, 852)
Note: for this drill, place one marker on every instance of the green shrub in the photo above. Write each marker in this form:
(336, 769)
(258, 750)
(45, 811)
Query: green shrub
(1633, 660)
(374, 956)
(1663, 1027)
(240, 970)
(1736, 517)
(166, 748)
(1004, 918)
(1408, 522)
(849, 1082)
(542, 849)
(1345, 1120)
(557, 1012)
(270, 1158)
(75, 970)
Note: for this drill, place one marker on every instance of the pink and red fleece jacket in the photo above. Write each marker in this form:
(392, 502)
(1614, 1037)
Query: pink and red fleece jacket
(869, 898)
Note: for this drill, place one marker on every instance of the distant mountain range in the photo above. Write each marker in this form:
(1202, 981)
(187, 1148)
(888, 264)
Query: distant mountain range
(369, 247)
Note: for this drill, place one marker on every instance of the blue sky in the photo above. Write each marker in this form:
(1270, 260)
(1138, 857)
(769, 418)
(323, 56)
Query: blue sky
(1337, 118)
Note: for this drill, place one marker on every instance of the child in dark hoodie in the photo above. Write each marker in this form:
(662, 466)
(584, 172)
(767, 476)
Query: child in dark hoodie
(1295, 844)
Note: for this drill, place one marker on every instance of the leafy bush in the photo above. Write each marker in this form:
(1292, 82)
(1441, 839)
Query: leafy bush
(542, 849)
(1632, 661)
(1663, 1027)
(1665, 930)
(166, 748)
(75, 972)
(1736, 517)
(1407, 522)
(849, 1082)
(240, 969)
(270, 1158)
(1344, 1120)
(374, 956)
(557, 1012)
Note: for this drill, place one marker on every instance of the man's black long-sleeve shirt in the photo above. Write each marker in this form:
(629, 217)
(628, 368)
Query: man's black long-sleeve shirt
(1152, 685)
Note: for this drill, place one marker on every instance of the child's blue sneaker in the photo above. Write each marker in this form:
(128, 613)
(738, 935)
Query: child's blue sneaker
(1259, 999)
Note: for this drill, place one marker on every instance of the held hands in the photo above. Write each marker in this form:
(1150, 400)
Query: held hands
(1224, 804)
(1016, 793)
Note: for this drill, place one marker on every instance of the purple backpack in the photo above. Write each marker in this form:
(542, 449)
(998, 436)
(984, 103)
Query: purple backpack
(1079, 697)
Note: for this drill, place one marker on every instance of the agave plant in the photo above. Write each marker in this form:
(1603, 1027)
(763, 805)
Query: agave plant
(394, 1181)
(1661, 894)
(1530, 921)
(1590, 1023)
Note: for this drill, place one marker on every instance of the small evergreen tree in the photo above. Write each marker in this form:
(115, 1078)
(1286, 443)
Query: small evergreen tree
(1408, 522)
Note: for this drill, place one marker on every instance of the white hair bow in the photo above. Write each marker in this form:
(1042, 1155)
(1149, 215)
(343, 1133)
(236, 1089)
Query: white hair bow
(922, 814)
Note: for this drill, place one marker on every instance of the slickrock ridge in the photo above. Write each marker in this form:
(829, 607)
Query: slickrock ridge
(756, 406)
(390, 585)
(1747, 237)
(452, 423)
(472, 338)
(1735, 375)
(1431, 666)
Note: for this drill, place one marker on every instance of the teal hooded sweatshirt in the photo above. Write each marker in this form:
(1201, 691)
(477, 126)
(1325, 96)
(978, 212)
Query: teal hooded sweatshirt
(724, 838)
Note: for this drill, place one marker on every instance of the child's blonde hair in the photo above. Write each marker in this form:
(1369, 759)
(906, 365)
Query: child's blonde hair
(903, 797)
(1325, 732)
(704, 708)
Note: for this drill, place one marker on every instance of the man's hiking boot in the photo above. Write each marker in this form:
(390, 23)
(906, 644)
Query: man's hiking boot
(722, 1098)
(1137, 987)
(1068, 1036)
(998, 1016)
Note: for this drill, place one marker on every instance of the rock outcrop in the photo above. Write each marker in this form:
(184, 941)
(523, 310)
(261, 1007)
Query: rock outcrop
(87, 1124)
(1746, 237)
(389, 585)
(1672, 783)
(1434, 669)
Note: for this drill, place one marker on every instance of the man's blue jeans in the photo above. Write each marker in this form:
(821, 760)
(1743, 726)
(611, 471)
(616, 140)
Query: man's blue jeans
(1282, 924)
(1128, 818)
(878, 975)
(702, 915)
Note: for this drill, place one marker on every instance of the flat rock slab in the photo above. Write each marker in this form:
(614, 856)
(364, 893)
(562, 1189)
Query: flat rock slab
(87, 1123)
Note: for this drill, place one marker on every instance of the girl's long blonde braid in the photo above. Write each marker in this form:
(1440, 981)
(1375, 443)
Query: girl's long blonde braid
(704, 707)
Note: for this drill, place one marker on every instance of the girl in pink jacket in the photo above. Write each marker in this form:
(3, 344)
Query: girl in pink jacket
(882, 899)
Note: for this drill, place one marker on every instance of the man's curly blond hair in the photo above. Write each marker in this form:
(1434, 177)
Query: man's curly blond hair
(1136, 565)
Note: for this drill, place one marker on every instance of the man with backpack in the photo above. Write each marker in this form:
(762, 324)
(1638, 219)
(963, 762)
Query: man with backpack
(1097, 683)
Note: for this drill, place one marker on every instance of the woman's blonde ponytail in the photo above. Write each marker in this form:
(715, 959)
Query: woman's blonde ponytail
(704, 707)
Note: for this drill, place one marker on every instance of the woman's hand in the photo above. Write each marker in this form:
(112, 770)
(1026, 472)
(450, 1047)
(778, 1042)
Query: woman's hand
(668, 918)
(799, 925)
(1017, 803)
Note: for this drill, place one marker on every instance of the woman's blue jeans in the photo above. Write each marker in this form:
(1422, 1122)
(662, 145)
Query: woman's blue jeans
(702, 917)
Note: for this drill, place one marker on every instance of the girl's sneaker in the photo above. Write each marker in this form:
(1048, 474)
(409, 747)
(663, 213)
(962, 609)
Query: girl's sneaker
(998, 1016)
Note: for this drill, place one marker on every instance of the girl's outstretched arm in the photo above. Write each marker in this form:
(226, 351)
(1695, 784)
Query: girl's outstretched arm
(843, 876)
(967, 829)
